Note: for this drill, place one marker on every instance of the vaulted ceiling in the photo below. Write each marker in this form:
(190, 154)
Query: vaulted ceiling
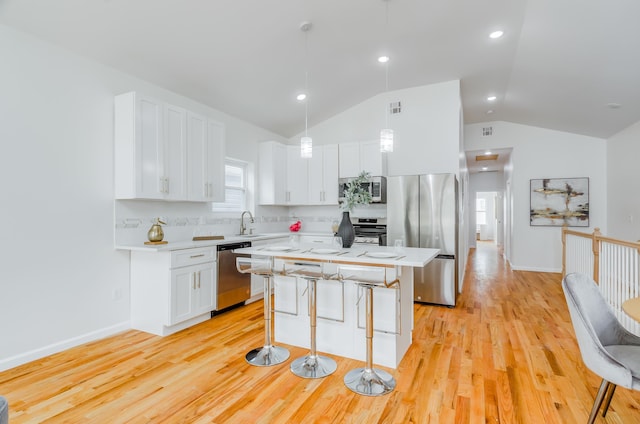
(569, 65)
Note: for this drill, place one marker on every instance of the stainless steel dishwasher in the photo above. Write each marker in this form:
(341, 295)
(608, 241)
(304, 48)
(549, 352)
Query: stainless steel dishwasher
(233, 287)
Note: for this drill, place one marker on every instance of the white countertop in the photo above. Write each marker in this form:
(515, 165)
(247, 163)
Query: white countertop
(189, 244)
(373, 255)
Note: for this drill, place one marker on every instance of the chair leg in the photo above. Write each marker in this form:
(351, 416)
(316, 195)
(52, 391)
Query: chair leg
(268, 354)
(604, 386)
(607, 401)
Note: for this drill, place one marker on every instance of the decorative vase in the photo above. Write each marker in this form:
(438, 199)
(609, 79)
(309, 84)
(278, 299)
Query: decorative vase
(155, 233)
(345, 230)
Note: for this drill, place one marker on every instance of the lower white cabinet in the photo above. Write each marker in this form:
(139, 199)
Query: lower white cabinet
(192, 292)
(172, 290)
(316, 239)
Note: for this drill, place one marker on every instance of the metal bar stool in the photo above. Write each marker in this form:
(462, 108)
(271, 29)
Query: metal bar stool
(312, 365)
(368, 381)
(268, 354)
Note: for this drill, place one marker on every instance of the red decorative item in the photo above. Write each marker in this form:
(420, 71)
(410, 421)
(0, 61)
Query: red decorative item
(295, 227)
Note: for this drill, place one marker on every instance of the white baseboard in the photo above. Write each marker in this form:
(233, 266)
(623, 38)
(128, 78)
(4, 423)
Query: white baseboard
(534, 269)
(41, 352)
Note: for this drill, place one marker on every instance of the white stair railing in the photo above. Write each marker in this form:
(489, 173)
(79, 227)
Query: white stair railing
(613, 264)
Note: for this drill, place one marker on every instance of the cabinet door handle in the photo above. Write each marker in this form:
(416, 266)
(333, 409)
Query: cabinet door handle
(196, 256)
(193, 280)
(166, 185)
(199, 278)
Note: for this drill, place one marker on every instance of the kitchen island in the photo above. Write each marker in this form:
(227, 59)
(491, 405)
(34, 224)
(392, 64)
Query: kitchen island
(340, 306)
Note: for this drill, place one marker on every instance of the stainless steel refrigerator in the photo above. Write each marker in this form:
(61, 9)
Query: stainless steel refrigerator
(422, 210)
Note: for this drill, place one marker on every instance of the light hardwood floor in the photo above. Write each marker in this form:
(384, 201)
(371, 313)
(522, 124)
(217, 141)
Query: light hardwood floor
(505, 354)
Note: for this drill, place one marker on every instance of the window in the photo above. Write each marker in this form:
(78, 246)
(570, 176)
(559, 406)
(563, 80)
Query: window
(481, 212)
(235, 187)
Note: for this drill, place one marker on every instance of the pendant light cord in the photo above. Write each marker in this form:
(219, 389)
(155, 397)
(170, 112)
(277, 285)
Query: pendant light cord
(306, 80)
(386, 65)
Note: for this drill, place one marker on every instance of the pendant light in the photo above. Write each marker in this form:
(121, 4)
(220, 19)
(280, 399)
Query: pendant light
(386, 134)
(306, 143)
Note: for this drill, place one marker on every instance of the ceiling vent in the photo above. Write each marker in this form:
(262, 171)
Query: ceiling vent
(395, 108)
(487, 131)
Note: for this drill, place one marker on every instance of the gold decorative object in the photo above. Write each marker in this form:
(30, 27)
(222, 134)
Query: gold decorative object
(155, 233)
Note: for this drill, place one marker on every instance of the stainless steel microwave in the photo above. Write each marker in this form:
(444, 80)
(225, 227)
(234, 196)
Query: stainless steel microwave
(376, 186)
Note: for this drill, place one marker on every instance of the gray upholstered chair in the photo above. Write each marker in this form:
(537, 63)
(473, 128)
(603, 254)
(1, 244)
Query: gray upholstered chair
(607, 348)
(4, 411)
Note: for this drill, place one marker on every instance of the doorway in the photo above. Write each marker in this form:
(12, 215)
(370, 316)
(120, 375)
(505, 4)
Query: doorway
(487, 209)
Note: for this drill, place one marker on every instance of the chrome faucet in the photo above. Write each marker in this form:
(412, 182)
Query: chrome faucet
(243, 227)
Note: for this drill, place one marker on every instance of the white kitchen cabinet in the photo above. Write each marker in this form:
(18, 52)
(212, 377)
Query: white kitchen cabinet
(175, 147)
(192, 292)
(323, 175)
(272, 173)
(166, 152)
(362, 156)
(172, 290)
(287, 179)
(205, 159)
(297, 177)
(316, 239)
(139, 147)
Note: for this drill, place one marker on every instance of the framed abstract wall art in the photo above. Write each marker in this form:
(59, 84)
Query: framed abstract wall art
(559, 201)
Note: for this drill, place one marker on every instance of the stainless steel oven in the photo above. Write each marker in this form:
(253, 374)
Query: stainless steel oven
(376, 186)
(370, 231)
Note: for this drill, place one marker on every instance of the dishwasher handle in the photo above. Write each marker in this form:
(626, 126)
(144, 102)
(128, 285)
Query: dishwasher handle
(233, 246)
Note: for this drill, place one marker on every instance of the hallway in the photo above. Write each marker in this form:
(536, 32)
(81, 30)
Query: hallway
(505, 354)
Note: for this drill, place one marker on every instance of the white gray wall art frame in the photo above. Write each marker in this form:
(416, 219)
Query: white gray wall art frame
(559, 201)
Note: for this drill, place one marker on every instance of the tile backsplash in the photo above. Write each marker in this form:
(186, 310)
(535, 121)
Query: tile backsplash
(183, 220)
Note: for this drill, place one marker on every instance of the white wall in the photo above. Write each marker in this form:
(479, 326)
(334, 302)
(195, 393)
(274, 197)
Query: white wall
(623, 184)
(543, 153)
(59, 267)
(427, 132)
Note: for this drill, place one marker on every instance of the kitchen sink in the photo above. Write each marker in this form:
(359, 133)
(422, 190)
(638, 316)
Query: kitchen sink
(249, 235)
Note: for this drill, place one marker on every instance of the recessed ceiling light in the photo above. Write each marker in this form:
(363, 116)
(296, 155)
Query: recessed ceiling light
(484, 168)
(496, 34)
(614, 105)
(490, 111)
(491, 98)
(383, 59)
(488, 152)
(301, 96)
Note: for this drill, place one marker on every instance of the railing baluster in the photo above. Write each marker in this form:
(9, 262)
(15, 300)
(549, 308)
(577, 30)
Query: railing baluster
(614, 264)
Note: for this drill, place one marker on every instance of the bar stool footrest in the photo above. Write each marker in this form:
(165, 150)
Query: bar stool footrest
(313, 366)
(370, 382)
(267, 356)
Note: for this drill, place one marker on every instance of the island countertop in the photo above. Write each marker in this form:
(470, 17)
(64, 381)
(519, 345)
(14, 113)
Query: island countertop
(363, 255)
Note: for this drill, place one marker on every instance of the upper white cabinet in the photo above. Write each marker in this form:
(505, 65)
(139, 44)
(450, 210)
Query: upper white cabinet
(205, 147)
(272, 173)
(139, 148)
(323, 175)
(297, 177)
(287, 179)
(362, 156)
(175, 148)
(166, 152)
